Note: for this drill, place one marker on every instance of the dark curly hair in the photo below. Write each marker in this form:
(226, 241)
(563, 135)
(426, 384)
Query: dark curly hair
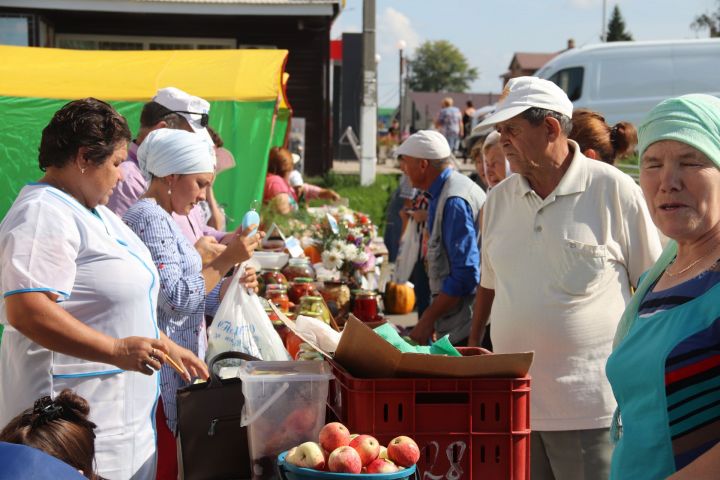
(88, 123)
(59, 428)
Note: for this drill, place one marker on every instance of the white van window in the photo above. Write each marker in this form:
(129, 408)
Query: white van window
(570, 80)
(640, 76)
(695, 73)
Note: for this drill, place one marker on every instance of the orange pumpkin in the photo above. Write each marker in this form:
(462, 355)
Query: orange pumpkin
(399, 298)
(313, 253)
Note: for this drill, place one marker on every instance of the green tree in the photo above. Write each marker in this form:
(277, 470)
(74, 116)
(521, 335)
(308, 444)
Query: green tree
(616, 27)
(438, 66)
(711, 21)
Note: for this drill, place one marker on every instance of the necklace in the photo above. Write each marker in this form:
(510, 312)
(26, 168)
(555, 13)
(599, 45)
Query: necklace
(670, 274)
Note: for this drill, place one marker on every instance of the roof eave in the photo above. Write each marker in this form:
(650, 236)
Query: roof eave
(181, 8)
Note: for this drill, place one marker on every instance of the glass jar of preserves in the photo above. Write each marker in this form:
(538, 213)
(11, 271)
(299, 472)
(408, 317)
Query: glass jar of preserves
(365, 305)
(277, 294)
(270, 277)
(300, 287)
(282, 330)
(298, 268)
(313, 306)
(336, 294)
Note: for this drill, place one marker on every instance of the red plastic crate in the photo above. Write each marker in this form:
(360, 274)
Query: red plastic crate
(465, 428)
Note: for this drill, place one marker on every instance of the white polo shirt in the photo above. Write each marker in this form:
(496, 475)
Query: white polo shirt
(562, 268)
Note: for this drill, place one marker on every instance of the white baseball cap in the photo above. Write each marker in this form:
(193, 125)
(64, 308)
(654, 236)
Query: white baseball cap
(523, 93)
(427, 144)
(295, 179)
(193, 109)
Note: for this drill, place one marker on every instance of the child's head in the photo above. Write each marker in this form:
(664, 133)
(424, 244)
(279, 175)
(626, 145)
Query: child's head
(58, 427)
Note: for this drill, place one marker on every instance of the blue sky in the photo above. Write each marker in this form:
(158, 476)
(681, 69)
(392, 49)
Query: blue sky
(489, 32)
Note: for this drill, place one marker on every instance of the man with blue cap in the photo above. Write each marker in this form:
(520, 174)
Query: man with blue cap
(564, 241)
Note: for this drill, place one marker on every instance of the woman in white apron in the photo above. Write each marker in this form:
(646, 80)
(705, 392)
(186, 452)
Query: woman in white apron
(80, 292)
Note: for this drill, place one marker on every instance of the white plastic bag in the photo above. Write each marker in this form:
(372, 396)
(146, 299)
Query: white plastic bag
(408, 253)
(241, 325)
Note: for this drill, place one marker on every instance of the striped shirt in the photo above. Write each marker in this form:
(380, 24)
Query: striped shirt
(692, 372)
(182, 303)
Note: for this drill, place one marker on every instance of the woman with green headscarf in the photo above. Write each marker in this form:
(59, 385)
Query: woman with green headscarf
(665, 365)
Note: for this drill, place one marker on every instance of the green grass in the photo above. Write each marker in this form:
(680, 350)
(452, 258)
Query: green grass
(372, 200)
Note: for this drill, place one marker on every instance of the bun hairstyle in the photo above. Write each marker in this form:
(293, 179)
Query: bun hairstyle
(591, 131)
(58, 427)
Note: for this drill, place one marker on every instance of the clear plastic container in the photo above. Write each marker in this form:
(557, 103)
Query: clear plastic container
(284, 407)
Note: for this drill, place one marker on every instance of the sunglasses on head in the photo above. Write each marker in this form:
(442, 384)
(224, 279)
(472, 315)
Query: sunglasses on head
(204, 117)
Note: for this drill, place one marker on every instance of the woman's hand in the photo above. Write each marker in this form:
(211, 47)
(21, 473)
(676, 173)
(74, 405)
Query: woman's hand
(193, 366)
(243, 245)
(329, 194)
(139, 354)
(209, 249)
(249, 279)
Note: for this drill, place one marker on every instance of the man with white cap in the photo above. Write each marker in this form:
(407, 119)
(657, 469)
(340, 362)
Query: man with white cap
(563, 243)
(453, 257)
(169, 108)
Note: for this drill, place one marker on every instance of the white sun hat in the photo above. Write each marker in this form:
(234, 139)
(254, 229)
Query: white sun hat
(523, 93)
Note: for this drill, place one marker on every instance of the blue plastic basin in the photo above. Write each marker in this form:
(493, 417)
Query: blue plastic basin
(292, 472)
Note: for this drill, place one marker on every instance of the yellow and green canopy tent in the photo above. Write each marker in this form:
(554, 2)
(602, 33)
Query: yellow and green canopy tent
(284, 114)
(244, 88)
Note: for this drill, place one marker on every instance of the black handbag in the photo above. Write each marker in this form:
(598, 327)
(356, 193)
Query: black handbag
(211, 442)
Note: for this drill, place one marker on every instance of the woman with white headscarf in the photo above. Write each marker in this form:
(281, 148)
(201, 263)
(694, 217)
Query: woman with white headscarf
(179, 166)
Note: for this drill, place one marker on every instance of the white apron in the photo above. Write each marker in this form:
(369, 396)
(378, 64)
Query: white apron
(105, 277)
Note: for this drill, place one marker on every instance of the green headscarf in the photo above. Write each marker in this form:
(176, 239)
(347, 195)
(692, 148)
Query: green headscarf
(690, 119)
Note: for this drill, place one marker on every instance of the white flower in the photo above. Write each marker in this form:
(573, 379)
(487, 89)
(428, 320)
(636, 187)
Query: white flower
(350, 251)
(338, 246)
(332, 259)
(355, 232)
(361, 258)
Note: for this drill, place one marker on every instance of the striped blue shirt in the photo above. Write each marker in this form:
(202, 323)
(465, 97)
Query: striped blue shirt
(182, 303)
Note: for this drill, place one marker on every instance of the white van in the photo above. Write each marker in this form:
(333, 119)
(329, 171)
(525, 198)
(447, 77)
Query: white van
(624, 80)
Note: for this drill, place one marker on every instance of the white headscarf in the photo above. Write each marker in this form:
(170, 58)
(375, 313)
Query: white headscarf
(166, 151)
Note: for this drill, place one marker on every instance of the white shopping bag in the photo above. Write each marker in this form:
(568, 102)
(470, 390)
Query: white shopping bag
(241, 325)
(408, 253)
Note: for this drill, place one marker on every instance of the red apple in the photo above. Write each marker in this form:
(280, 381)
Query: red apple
(367, 446)
(383, 452)
(344, 460)
(381, 465)
(403, 451)
(307, 455)
(334, 435)
(300, 421)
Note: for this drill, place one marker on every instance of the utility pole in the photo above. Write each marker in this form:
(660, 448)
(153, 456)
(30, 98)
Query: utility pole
(368, 112)
(603, 35)
(401, 46)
